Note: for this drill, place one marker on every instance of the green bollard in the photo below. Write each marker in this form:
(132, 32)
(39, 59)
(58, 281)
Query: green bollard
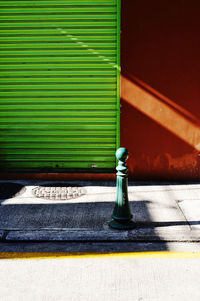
(122, 213)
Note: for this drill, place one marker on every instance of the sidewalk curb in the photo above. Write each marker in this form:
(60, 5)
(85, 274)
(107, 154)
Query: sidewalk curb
(100, 235)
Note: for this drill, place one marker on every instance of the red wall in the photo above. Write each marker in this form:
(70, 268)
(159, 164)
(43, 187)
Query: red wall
(160, 97)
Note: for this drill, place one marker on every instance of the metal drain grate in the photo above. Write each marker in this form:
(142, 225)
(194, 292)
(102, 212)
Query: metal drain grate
(58, 192)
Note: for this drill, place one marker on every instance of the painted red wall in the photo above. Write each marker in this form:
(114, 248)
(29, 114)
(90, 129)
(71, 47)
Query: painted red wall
(160, 97)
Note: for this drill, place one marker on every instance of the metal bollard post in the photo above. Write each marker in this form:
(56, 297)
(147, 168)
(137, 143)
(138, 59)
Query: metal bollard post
(122, 213)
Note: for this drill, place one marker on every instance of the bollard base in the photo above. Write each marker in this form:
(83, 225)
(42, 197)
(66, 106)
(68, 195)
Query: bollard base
(123, 225)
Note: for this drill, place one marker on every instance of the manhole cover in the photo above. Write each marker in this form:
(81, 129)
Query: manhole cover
(10, 190)
(58, 191)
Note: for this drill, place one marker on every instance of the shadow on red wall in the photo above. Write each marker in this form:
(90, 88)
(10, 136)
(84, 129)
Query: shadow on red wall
(161, 88)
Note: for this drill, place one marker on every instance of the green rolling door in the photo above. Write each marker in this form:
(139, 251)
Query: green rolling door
(59, 85)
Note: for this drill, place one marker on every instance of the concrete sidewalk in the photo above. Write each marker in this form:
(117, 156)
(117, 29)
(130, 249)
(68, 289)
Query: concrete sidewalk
(164, 212)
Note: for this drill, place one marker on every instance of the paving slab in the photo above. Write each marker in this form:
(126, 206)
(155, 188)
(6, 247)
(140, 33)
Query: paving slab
(191, 210)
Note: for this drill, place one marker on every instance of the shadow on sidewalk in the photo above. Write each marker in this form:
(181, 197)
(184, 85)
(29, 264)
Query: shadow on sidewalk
(79, 217)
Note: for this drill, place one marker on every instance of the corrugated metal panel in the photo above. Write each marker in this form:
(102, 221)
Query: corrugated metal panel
(59, 84)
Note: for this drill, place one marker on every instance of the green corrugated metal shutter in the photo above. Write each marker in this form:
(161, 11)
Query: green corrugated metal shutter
(59, 84)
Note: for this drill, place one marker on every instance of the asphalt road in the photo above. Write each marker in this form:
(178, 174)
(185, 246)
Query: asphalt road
(99, 271)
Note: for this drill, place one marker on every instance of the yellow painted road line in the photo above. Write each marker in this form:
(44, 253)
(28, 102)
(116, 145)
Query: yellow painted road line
(136, 255)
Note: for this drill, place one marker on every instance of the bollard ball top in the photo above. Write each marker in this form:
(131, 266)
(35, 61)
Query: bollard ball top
(122, 154)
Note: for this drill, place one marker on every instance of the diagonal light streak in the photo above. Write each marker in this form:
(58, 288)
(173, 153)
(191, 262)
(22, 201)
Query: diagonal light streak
(93, 51)
(161, 112)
